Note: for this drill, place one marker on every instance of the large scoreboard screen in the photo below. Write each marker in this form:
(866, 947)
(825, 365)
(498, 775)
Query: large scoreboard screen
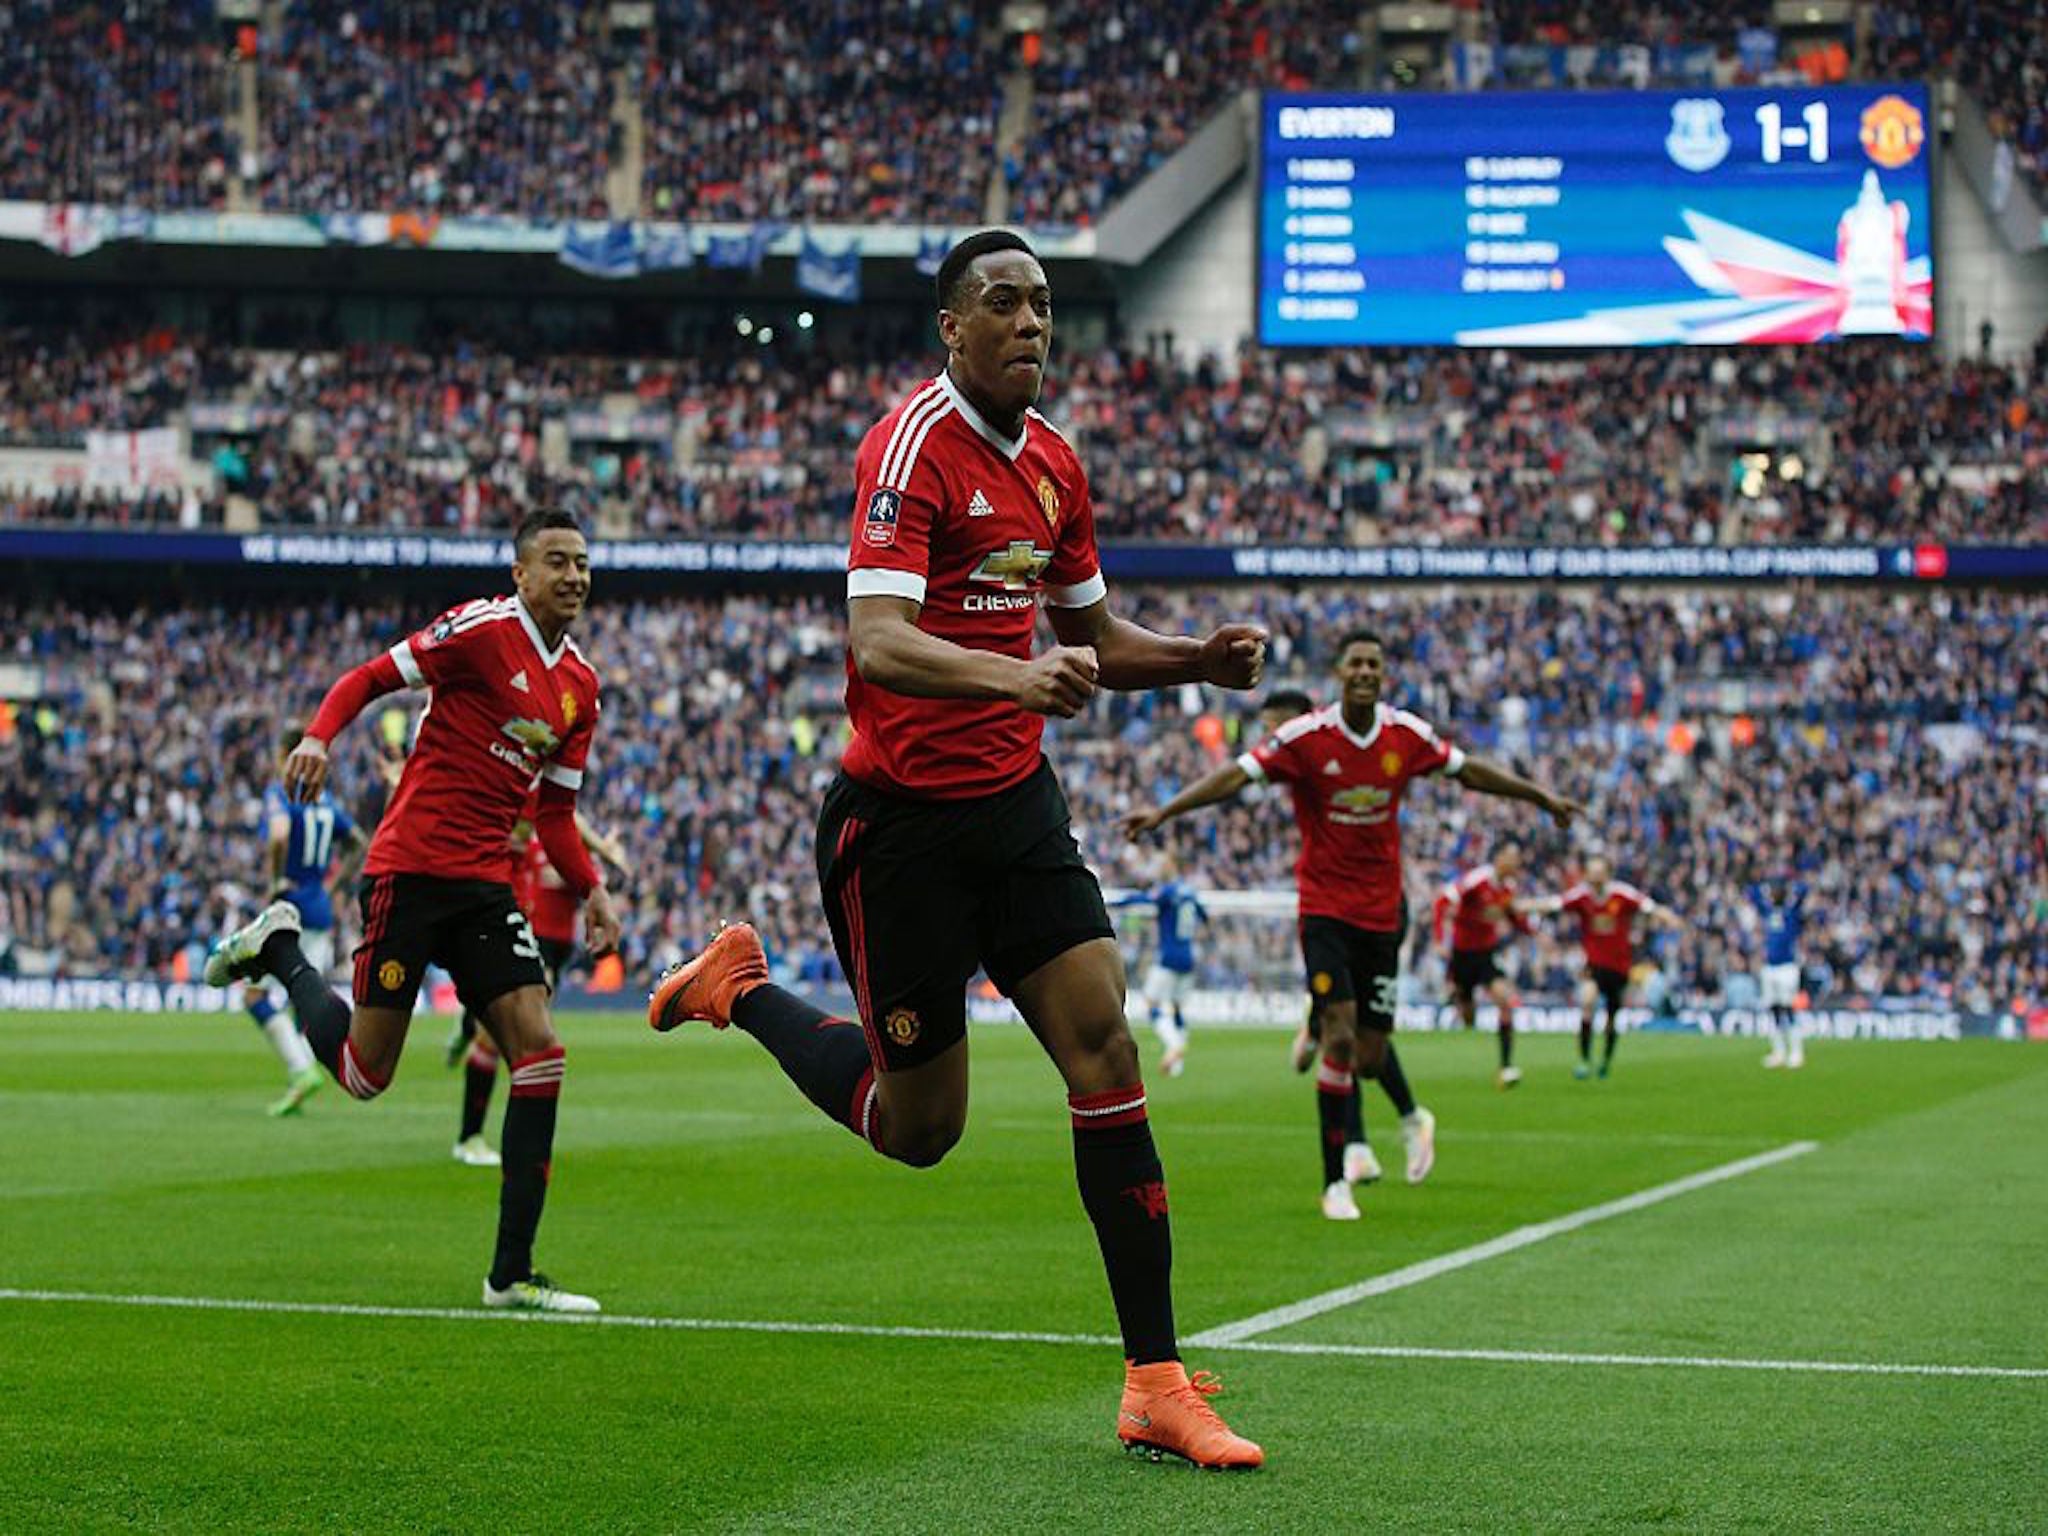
(1595, 218)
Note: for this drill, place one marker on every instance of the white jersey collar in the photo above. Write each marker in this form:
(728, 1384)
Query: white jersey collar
(1379, 718)
(1008, 447)
(552, 658)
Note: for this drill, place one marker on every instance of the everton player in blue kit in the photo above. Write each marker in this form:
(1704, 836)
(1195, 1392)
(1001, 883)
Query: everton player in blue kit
(305, 844)
(1781, 907)
(1172, 975)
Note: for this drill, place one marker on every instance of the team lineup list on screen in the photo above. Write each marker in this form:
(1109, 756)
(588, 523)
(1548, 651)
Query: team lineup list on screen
(1595, 218)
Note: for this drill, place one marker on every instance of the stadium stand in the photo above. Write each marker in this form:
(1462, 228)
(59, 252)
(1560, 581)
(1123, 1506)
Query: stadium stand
(1891, 749)
(823, 110)
(1869, 442)
(115, 104)
(864, 112)
(457, 109)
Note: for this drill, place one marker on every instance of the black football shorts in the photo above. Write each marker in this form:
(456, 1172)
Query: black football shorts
(1345, 962)
(922, 893)
(472, 929)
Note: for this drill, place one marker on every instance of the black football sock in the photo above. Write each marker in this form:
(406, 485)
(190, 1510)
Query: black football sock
(1336, 1110)
(1395, 1081)
(1123, 1190)
(1585, 1037)
(1607, 1042)
(321, 1016)
(824, 1056)
(1354, 1118)
(479, 1074)
(528, 1152)
(1507, 1037)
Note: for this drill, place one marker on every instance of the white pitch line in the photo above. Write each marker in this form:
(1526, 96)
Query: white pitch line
(578, 1319)
(1004, 1336)
(1692, 1362)
(1492, 1248)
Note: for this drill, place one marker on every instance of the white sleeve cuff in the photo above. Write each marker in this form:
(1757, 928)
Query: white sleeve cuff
(409, 669)
(1252, 768)
(568, 778)
(1082, 594)
(873, 581)
(1455, 765)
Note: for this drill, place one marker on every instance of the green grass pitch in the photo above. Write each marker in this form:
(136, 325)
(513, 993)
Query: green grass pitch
(692, 1184)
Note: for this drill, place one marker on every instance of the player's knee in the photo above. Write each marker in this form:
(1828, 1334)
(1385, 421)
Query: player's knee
(522, 1023)
(1369, 1052)
(924, 1143)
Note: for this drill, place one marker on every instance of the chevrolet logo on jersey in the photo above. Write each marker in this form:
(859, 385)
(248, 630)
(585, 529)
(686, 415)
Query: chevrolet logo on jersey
(535, 737)
(1017, 567)
(1361, 797)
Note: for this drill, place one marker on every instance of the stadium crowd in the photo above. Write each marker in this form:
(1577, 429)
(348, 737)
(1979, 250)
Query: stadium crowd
(1857, 443)
(472, 108)
(823, 109)
(870, 111)
(1890, 750)
(121, 104)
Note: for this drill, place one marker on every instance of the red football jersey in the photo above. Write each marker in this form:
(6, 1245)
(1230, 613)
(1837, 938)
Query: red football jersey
(977, 528)
(1347, 801)
(503, 712)
(1478, 903)
(543, 895)
(1607, 922)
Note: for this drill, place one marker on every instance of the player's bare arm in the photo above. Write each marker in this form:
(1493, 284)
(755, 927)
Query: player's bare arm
(305, 770)
(350, 863)
(1217, 785)
(603, 844)
(1489, 778)
(1134, 657)
(279, 844)
(890, 651)
(600, 922)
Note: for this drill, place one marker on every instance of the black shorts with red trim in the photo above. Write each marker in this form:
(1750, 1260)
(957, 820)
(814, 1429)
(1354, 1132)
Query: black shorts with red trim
(922, 893)
(1472, 969)
(472, 929)
(1346, 962)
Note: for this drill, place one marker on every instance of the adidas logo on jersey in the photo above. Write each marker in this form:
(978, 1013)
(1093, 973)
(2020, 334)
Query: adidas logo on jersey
(1331, 769)
(519, 680)
(979, 505)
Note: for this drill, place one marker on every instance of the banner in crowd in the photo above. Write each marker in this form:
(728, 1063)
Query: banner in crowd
(1503, 564)
(152, 459)
(603, 248)
(833, 275)
(624, 249)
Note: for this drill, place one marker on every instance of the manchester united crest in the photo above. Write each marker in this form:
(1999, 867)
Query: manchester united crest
(1891, 131)
(1390, 764)
(391, 975)
(1049, 501)
(568, 709)
(903, 1026)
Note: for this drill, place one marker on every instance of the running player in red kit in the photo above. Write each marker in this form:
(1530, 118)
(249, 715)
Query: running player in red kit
(513, 706)
(1348, 765)
(1607, 910)
(944, 846)
(1479, 908)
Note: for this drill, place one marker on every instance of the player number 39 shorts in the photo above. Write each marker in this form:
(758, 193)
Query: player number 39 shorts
(472, 929)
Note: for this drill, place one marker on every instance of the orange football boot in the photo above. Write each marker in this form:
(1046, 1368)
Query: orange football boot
(728, 968)
(1166, 1412)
